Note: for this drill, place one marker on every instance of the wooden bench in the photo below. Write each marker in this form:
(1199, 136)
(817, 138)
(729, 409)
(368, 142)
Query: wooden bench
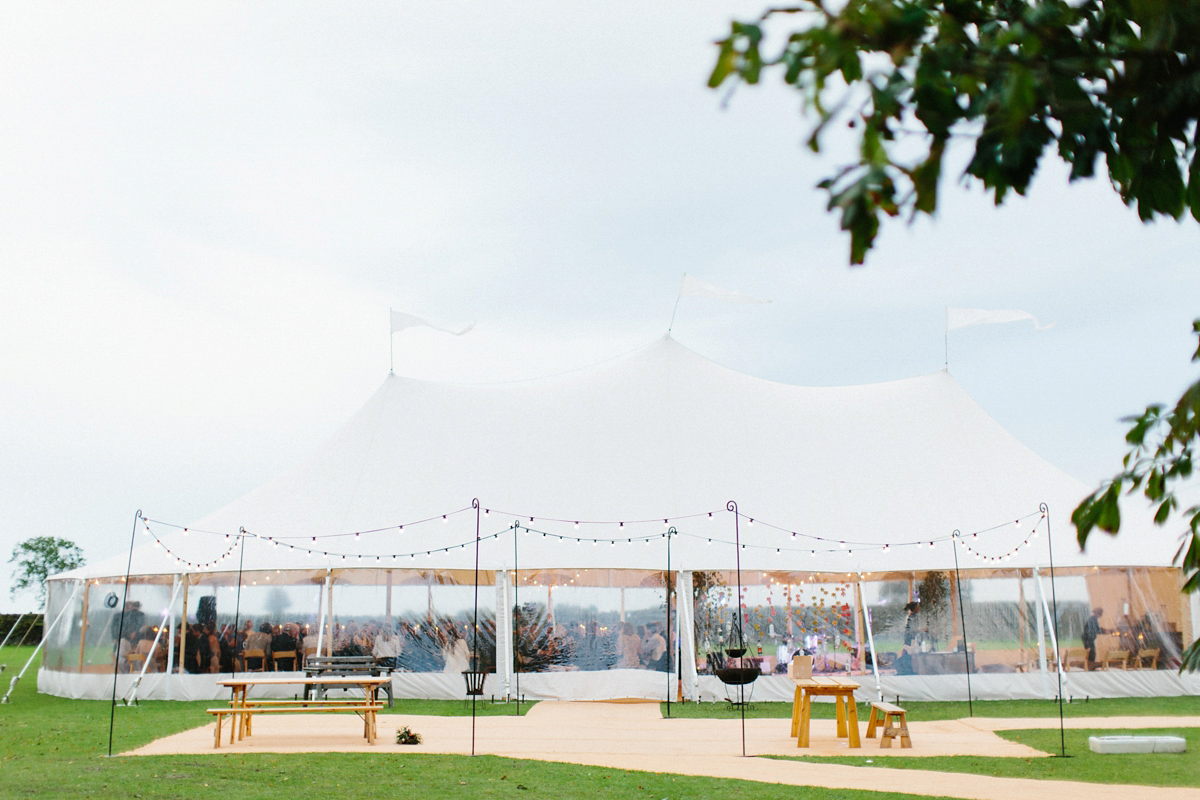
(247, 712)
(344, 667)
(894, 723)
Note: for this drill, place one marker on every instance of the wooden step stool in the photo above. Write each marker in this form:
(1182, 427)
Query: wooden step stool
(894, 723)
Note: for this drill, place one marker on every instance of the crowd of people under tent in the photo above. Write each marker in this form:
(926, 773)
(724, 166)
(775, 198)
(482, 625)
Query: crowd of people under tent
(432, 645)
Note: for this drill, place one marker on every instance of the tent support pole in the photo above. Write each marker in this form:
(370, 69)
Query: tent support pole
(131, 695)
(329, 617)
(45, 636)
(183, 627)
(182, 579)
(321, 610)
(389, 598)
(962, 615)
(1022, 616)
(1062, 736)
(83, 631)
(866, 613)
(1045, 615)
(1041, 632)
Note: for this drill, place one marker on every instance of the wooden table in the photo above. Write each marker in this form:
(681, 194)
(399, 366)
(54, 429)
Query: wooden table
(245, 708)
(842, 692)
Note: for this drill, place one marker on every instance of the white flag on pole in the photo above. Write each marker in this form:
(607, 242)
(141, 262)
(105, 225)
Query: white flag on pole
(964, 317)
(401, 321)
(694, 287)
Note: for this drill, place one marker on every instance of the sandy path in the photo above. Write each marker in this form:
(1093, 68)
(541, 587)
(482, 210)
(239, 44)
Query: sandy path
(634, 736)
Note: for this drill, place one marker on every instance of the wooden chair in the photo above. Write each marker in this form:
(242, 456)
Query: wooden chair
(136, 660)
(311, 650)
(1146, 654)
(1075, 657)
(800, 667)
(284, 655)
(248, 655)
(1118, 657)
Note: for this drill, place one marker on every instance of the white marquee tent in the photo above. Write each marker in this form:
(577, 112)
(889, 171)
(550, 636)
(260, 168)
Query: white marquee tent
(857, 486)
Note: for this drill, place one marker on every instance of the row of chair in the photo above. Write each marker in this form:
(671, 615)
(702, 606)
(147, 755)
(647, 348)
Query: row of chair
(1146, 658)
(136, 660)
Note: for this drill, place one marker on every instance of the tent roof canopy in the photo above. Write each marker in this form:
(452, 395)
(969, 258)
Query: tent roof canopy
(829, 479)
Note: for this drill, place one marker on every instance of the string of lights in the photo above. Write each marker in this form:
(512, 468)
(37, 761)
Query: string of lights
(356, 534)
(1007, 555)
(849, 547)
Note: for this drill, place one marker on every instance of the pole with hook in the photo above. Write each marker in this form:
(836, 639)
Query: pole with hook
(962, 616)
(741, 622)
(112, 714)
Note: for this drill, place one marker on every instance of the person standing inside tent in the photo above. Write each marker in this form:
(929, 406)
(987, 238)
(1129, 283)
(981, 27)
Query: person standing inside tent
(1091, 631)
(629, 646)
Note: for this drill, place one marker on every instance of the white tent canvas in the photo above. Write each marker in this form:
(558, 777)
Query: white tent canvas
(663, 434)
(593, 468)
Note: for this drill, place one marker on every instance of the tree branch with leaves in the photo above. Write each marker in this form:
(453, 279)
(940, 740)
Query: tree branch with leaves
(1162, 452)
(1112, 81)
(1099, 79)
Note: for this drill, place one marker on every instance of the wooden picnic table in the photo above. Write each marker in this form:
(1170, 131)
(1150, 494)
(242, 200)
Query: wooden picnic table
(842, 692)
(242, 709)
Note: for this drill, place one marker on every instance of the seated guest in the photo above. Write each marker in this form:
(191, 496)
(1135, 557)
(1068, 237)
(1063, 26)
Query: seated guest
(258, 640)
(228, 651)
(145, 644)
(124, 648)
(387, 648)
(654, 649)
(211, 663)
(284, 642)
(191, 649)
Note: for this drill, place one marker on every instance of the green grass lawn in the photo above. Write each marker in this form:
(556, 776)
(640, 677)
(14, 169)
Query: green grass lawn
(1154, 769)
(1099, 707)
(53, 747)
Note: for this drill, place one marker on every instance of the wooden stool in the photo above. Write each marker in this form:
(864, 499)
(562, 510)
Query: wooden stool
(894, 722)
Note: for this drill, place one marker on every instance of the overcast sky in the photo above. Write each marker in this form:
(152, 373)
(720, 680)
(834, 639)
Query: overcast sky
(208, 209)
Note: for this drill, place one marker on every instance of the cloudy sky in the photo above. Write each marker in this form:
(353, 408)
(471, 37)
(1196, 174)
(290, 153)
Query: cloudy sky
(208, 209)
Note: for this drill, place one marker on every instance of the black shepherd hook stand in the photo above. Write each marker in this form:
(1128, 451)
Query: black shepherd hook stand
(237, 603)
(671, 531)
(516, 606)
(475, 625)
(962, 616)
(1062, 735)
(112, 714)
(741, 621)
